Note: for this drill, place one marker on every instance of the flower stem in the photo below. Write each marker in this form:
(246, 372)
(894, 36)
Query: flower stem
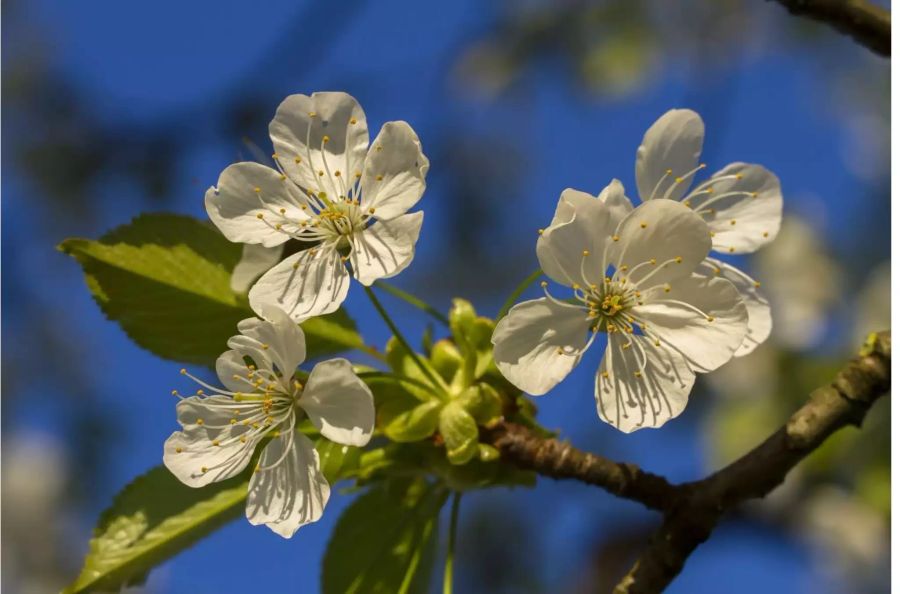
(511, 300)
(451, 544)
(371, 351)
(414, 301)
(396, 331)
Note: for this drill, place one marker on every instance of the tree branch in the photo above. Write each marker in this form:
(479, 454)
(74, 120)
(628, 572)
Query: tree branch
(701, 504)
(560, 460)
(866, 23)
(692, 510)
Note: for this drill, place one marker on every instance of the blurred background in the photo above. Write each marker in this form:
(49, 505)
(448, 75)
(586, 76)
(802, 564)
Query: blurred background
(112, 109)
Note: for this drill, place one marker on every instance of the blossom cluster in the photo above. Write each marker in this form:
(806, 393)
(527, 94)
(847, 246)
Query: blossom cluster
(641, 277)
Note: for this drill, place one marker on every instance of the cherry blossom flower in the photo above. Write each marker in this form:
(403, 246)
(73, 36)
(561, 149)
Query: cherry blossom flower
(261, 404)
(741, 204)
(631, 271)
(345, 199)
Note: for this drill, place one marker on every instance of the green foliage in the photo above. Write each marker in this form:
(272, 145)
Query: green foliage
(152, 519)
(412, 424)
(165, 279)
(460, 433)
(384, 543)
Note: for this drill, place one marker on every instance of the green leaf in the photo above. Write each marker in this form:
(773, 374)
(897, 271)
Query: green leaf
(152, 519)
(384, 543)
(337, 461)
(165, 279)
(460, 433)
(483, 402)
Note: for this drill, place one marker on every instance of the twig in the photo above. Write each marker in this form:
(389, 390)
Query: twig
(701, 504)
(866, 23)
(692, 510)
(560, 460)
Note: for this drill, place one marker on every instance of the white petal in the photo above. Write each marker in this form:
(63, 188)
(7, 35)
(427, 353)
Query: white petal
(614, 197)
(254, 261)
(193, 455)
(581, 223)
(759, 322)
(641, 385)
(277, 340)
(394, 173)
(660, 241)
(244, 192)
(339, 404)
(231, 368)
(317, 285)
(743, 214)
(386, 248)
(669, 154)
(293, 492)
(539, 342)
(704, 319)
(298, 130)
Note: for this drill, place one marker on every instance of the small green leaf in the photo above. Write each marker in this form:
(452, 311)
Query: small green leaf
(414, 424)
(460, 433)
(165, 279)
(384, 543)
(152, 519)
(445, 358)
(337, 461)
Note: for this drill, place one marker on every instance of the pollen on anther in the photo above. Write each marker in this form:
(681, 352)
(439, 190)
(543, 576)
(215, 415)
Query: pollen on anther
(297, 160)
(637, 374)
(540, 231)
(371, 211)
(259, 215)
(544, 284)
(243, 439)
(678, 259)
(765, 234)
(215, 442)
(183, 371)
(615, 238)
(585, 253)
(733, 222)
(643, 225)
(559, 351)
(179, 450)
(204, 469)
(379, 177)
(757, 284)
(257, 189)
(731, 250)
(325, 139)
(321, 173)
(710, 319)
(604, 374)
(233, 421)
(199, 421)
(653, 261)
(337, 173)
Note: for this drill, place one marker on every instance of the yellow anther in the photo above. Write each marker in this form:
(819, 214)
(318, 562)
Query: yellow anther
(754, 194)
(378, 148)
(297, 160)
(379, 177)
(278, 226)
(246, 422)
(243, 439)
(296, 265)
(637, 374)
(199, 421)
(215, 442)
(282, 211)
(712, 233)
(668, 172)
(282, 177)
(183, 371)
(615, 238)
(357, 175)
(757, 284)
(337, 173)
(652, 261)
(352, 120)
(259, 215)
(257, 189)
(656, 342)
(576, 286)
(731, 250)
(540, 231)
(717, 270)
(687, 203)
(643, 225)
(678, 180)
(303, 207)
(626, 346)
(233, 421)
(179, 450)
(710, 319)
(174, 392)
(738, 176)
(371, 211)
(275, 156)
(325, 139)
(624, 267)
(733, 222)
(204, 469)
(312, 114)
(199, 392)
(544, 284)
(667, 288)
(585, 253)
(559, 351)
(765, 233)
(678, 259)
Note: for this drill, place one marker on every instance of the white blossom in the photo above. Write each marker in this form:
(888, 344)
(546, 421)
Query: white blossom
(631, 271)
(741, 204)
(262, 402)
(331, 189)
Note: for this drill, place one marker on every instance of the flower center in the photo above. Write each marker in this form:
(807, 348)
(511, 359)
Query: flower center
(610, 304)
